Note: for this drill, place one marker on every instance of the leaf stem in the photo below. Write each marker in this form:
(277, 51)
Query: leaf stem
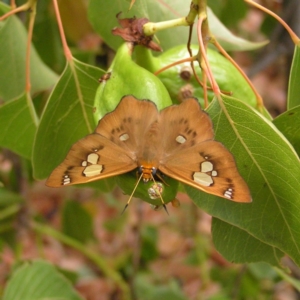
(28, 47)
(151, 28)
(66, 48)
(27, 62)
(13, 4)
(188, 59)
(259, 100)
(292, 34)
(203, 39)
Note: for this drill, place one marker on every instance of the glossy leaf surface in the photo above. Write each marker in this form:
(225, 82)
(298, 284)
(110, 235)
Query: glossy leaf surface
(39, 280)
(68, 116)
(13, 39)
(271, 168)
(18, 122)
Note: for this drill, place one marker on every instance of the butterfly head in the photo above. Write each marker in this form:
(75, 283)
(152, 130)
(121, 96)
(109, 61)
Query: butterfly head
(147, 171)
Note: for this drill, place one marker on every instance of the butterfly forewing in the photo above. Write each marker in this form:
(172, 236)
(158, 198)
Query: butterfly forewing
(91, 158)
(128, 124)
(210, 167)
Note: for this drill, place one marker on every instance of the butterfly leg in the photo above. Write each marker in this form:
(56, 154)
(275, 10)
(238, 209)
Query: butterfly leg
(132, 193)
(162, 200)
(161, 179)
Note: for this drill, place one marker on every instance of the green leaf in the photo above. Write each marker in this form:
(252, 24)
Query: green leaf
(289, 124)
(149, 238)
(248, 248)
(10, 206)
(228, 40)
(128, 78)
(271, 168)
(103, 19)
(48, 45)
(143, 191)
(294, 86)
(9, 198)
(147, 290)
(39, 280)
(18, 122)
(68, 116)
(262, 271)
(291, 280)
(268, 25)
(77, 222)
(227, 76)
(233, 11)
(13, 39)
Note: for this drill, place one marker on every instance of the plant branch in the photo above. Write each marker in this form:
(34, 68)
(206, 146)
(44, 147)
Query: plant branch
(18, 9)
(194, 8)
(28, 47)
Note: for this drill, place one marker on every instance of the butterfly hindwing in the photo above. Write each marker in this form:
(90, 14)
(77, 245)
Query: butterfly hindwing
(210, 167)
(91, 158)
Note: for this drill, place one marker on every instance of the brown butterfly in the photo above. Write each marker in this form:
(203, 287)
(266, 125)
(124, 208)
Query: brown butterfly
(177, 141)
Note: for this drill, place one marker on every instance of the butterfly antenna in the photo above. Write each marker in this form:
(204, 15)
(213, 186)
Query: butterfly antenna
(165, 208)
(161, 198)
(132, 193)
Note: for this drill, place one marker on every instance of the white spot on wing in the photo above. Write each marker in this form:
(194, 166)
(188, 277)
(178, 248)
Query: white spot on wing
(124, 137)
(180, 139)
(214, 173)
(93, 170)
(206, 166)
(66, 180)
(93, 158)
(203, 179)
(228, 193)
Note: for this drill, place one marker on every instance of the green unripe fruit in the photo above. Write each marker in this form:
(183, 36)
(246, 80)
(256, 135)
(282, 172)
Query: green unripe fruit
(147, 191)
(180, 79)
(125, 77)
